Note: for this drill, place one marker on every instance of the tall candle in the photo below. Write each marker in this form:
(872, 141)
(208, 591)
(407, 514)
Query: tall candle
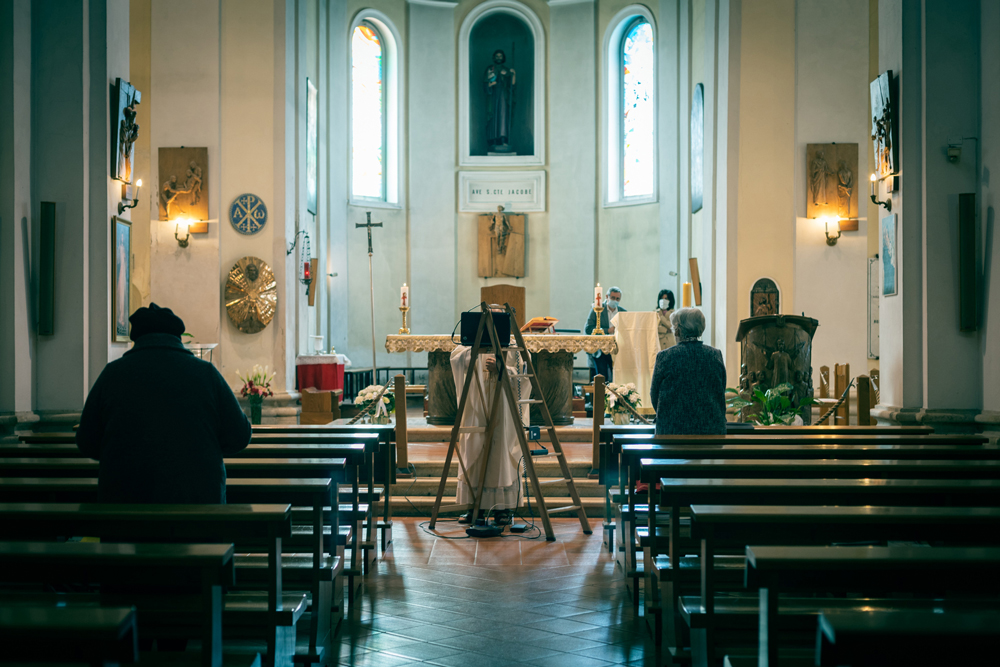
(404, 296)
(686, 295)
(597, 296)
(874, 185)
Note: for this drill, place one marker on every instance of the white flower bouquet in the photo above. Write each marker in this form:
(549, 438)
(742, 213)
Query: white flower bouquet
(616, 395)
(368, 395)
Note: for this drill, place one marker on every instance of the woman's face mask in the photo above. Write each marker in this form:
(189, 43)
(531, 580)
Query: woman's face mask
(664, 304)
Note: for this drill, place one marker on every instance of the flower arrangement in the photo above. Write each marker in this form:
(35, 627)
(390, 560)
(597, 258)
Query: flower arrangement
(257, 383)
(367, 396)
(622, 393)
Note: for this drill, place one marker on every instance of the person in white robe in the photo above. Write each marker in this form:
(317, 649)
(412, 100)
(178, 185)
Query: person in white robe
(500, 489)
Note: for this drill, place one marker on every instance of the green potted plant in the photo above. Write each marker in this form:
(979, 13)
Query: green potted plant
(773, 406)
(256, 387)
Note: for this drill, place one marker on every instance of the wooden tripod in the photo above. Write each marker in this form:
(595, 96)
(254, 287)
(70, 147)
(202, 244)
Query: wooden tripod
(493, 420)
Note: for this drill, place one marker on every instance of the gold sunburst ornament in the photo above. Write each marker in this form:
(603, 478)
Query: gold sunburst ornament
(251, 295)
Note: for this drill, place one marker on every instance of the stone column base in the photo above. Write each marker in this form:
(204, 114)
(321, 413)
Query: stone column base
(942, 421)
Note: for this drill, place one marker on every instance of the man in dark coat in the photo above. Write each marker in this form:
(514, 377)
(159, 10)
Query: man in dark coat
(689, 381)
(160, 420)
(600, 363)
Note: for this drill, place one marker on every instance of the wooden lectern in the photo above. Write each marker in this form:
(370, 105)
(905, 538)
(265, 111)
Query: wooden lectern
(501, 294)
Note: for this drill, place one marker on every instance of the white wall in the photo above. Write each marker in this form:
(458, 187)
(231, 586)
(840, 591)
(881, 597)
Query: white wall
(990, 132)
(831, 101)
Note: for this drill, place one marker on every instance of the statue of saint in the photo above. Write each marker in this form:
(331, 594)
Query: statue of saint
(845, 186)
(781, 365)
(499, 81)
(500, 229)
(818, 171)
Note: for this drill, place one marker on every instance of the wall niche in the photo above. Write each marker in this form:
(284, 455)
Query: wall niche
(502, 124)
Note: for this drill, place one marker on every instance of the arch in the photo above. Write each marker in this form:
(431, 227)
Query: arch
(392, 90)
(522, 12)
(613, 94)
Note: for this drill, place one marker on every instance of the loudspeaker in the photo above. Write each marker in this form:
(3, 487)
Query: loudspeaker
(968, 300)
(470, 324)
(47, 270)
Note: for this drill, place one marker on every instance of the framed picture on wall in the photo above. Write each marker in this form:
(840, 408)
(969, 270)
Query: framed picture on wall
(889, 265)
(121, 278)
(312, 145)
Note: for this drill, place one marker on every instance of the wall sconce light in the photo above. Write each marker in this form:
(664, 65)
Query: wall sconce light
(182, 242)
(125, 197)
(874, 194)
(954, 151)
(827, 222)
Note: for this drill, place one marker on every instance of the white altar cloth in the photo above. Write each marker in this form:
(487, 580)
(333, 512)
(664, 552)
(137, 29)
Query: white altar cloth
(638, 344)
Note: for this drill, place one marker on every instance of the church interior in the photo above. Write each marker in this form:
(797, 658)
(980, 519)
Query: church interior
(449, 256)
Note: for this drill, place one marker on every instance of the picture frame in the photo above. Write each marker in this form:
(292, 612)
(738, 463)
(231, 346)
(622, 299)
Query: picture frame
(890, 267)
(312, 145)
(121, 278)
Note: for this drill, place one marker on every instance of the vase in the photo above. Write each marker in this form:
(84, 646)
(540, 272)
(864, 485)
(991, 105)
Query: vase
(620, 418)
(256, 403)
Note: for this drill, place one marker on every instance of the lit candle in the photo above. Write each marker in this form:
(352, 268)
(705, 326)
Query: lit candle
(597, 296)
(874, 185)
(404, 296)
(686, 295)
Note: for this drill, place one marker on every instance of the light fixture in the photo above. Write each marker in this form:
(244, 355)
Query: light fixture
(874, 194)
(831, 240)
(125, 197)
(182, 242)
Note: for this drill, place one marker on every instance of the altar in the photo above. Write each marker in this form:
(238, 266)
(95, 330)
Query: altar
(551, 354)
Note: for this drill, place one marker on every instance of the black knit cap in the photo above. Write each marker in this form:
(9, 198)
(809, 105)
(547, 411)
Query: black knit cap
(155, 320)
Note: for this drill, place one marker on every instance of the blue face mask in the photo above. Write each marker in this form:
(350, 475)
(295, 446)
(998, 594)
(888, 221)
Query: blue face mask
(613, 305)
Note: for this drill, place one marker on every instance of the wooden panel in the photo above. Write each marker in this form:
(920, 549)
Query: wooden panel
(502, 294)
(509, 263)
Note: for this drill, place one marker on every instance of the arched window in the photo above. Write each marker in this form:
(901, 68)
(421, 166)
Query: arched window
(638, 113)
(629, 126)
(368, 113)
(375, 91)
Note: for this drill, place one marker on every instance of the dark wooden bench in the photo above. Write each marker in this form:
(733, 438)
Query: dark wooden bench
(94, 635)
(669, 570)
(208, 567)
(914, 638)
(629, 512)
(952, 573)
(251, 527)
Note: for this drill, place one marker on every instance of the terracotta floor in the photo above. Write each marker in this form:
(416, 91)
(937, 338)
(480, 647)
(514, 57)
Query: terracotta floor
(501, 601)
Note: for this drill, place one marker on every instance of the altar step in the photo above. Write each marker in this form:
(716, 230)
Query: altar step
(415, 496)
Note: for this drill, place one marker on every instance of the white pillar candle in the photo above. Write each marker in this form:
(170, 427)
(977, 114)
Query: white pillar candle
(597, 296)
(404, 296)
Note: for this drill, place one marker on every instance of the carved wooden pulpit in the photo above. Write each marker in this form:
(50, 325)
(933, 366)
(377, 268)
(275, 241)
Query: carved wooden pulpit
(775, 349)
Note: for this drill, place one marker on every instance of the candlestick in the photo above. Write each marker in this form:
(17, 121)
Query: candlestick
(598, 331)
(403, 329)
(687, 293)
(404, 296)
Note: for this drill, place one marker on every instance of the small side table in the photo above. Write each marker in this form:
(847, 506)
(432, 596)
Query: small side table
(323, 372)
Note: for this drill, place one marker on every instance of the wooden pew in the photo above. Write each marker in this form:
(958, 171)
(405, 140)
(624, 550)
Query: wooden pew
(734, 526)
(384, 464)
(914, 638)
(255, 527)
(135, 564)
(299, 570)
(668, 574)
(927, 572)
(97, 636)
(822, 447)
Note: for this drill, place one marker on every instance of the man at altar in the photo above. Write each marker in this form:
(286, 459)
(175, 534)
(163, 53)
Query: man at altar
(600, 363)
(500, 488)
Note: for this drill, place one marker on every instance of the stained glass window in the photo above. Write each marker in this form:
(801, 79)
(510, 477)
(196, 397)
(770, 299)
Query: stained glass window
(367, 113)
(638, 111)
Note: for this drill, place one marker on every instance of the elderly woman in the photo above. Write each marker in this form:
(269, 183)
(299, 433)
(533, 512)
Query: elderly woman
(689, 381)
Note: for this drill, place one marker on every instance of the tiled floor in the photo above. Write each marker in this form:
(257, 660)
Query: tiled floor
(500, 601)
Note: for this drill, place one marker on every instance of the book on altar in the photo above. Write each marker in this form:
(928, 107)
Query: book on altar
(540, 325)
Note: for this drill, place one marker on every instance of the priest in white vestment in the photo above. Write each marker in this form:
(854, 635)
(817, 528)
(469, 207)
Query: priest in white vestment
(500, 490)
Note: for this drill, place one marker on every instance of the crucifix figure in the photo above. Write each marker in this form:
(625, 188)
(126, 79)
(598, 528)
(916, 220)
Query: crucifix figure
(371, 284)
